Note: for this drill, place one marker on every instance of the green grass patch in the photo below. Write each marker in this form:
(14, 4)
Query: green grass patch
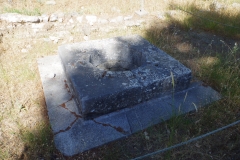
(38, 142)
(3, 155)
(224, 74)
(24, 11)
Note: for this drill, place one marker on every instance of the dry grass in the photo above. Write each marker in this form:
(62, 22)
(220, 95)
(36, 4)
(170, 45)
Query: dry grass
(24, 128)
(220, 17)
(110, 7)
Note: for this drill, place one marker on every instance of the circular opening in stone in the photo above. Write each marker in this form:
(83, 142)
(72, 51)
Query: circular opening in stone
(123, 60)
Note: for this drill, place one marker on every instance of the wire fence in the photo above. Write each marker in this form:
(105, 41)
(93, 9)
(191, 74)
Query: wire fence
(187, 142)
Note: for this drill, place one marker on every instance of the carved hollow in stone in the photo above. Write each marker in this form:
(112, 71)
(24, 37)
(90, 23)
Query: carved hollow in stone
(111, 74)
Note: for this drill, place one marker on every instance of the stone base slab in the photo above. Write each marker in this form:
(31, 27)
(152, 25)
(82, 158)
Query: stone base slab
(73, 134)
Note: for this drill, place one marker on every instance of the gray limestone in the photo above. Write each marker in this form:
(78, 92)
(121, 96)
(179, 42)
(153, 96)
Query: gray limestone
(74, 134)
(111, 74)
(18, 18)
(53, 18)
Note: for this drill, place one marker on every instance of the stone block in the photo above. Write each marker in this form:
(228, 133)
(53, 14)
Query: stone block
(73, 134)
(111, 74)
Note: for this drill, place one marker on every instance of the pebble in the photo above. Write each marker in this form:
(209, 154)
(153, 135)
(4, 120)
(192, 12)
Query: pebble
(128, 18)
(91, 19)
(79, 19)
(44, 18)
(53, 18)
(86, 38)
(50, 2)
(38, 25)
(24, 50)
(117, 19)
(102, 21)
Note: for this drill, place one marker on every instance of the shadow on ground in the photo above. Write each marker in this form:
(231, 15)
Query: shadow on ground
(39, 141)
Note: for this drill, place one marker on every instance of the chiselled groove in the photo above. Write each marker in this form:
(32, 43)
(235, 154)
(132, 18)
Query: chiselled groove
(119, 129)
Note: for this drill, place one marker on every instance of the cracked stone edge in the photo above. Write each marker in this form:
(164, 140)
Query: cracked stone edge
(81, 135)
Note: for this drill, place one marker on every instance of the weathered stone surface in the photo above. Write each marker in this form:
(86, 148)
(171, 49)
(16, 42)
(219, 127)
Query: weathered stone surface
(111, 74)
(18, 18)
(73, 134)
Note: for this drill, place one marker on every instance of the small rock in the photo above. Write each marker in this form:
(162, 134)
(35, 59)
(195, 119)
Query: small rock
(91, 19)
(146, 135)
(70, 39)
(102, 21)
(50, 2)
(30, 19)
(86, 38)
(117, 19)
(60, 20)
(18, 18)
(10, 17)
(79, 19)
(86, 30)
(53, 18)
(54, 39)
(71, 21)
(45, 18)
(128, 18)
(61, 17)
(38, 26)
(24, 50)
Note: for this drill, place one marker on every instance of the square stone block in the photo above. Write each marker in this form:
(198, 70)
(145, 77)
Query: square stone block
(111, 74)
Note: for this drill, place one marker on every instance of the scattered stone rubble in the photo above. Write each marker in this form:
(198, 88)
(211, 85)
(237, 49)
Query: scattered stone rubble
(68, 21)
(84, 24)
